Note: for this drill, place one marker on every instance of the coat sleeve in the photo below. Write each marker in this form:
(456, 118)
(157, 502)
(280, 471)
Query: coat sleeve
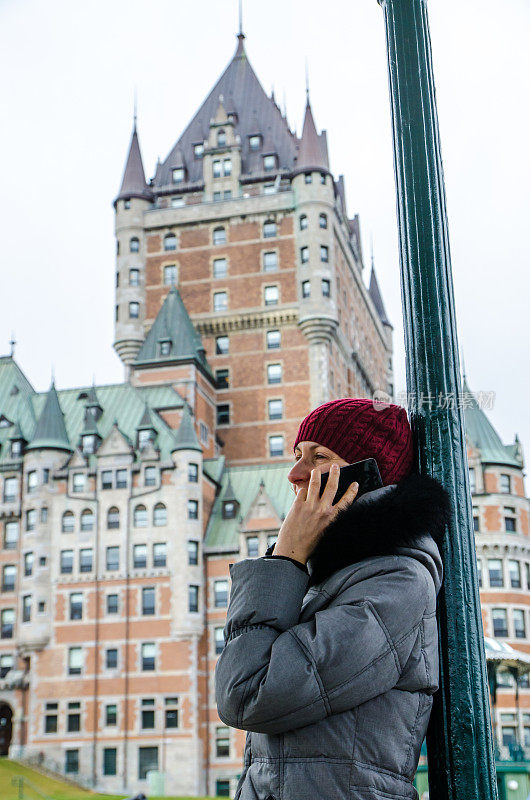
(275, 674)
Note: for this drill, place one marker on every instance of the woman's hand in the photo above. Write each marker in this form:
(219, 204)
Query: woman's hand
(310, 515)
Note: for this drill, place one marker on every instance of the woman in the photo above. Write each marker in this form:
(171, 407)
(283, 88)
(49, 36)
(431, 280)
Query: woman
(331, 653)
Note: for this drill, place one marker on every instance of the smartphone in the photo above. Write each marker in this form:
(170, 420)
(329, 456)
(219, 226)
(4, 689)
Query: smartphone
(365, 472)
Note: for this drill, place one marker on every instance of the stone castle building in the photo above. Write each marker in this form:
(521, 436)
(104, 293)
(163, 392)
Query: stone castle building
(241, 303)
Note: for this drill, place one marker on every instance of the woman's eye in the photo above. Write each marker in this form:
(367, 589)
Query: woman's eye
(320, 455)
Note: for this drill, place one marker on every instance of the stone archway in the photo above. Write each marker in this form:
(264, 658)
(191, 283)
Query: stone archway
(6, 728)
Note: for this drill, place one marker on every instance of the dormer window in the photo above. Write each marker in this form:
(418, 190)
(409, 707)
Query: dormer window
(88, 443)
(269, 163)
(16, 448)
(232, 117)
(145, 437)
(229, 509)
(254, 142)
(221, 138)
(198, 150)
(165, 347)
(177, 174)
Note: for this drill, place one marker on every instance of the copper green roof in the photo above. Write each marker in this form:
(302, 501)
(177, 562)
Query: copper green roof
(483, 436)
(186, 438)
(121, 402)
(245, 482)
(173, 325)
(50, 431)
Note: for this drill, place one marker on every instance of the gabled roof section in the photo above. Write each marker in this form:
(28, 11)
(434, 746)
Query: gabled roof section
(186, 438)
(483, 435)
(133, 183)
(313, 153)
(173, 325)
(243, 95)
(375, 294)
(50, 431)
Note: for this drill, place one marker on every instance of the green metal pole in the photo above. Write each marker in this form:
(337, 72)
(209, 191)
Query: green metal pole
(459, 741)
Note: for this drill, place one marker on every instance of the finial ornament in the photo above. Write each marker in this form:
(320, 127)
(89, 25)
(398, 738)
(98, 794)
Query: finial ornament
(240, 18)
(372, 249)
(307, 81)
(135, 115)
(12, 343)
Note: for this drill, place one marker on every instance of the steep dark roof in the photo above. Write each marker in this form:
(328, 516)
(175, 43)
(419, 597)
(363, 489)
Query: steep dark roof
(313, 153)
(186, 438)
(50, 431)
(146, 422)
(133, 183)
(375, 294)
(242, 94)
(173, 324)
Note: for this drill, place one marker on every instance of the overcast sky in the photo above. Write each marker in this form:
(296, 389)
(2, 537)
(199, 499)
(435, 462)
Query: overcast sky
(68, 70)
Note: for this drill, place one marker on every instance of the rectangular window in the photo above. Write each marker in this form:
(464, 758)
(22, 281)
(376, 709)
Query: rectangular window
(177, 201)
(78, 482)
(275, 409)
(172, 712)
(109, 760)
(476, 522)
(31, 519)
(216, 169)
(272, 295)
(500, 622)
(73, 717)
(505, 484)
(304, 254)
(216, 197)
(326, 287)
(510, 525)
(11, 535)
(222, 741)
(67, 562)
(306, 288)
(28, 564)
(252, 546)
(221, 345)
(193, 472)
(193, 509)
(479, 571)
(222, 787)
(324, 253)
(111, 714)
(270, 261)
(134, 310)
(495, 572)
(148, 713)
(519, 623)
(254, 142)
(204, 433)
(227, 194)
(198, 150)
(106, 479)
(76, 605)
(223, 414)
(193, 552)
(269, 188)
(10, 490)
(514, 568)
(220, 301)
(219, 268)
(7, 617)
(220, 593)
(170, 275)
(51, 717)
(85, 559)
(274, 373)
(140, 556)
(193, 598)
(227, 166)
(472, 479)
(148, 601)
(71, 762)
(9, 575)
(148, 657)
(219, 640)
(276, 446)
(33, 481)
(111, 658)
(308, 178)
(150, 476)
(269, 230)
(26, 608)
(147, 761)
(222, 378)
(112, 604)
(177, 174)
(269, 163)
(134, 277)
(44, 514)
(75, 660)
(159, 554)
(121, 479)
(273, 340)
(113, 558)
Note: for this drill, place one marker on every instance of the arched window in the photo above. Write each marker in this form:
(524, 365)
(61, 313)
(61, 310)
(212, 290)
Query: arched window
(68, 522)
(113, 518)
(221, 138)
(323, 220)
(219, 236)
(140, 517)
(170, 241)
(159, 515)
(303, 222)
(134, 244)
(87, 520)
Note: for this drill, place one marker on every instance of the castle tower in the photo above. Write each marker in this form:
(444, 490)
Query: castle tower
(133, 200)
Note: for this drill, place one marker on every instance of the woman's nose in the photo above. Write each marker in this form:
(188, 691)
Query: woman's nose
(299, 473)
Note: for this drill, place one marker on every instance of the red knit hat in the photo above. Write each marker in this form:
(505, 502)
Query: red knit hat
(357, 428)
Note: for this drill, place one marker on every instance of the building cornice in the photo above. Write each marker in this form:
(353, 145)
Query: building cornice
(265, 318)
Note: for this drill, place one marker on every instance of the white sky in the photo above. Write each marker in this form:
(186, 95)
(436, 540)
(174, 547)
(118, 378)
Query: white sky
(67, 75)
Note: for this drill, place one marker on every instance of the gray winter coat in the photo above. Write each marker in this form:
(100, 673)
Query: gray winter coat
(332, 672)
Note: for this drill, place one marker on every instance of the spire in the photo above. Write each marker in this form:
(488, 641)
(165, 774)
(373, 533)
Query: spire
(133, 183)
(240, 51)
(313, 152)
(186, 438)
(50, 431)
(375, 294)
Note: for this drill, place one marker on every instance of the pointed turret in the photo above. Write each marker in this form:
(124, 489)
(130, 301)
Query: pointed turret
(483, 436)
(133, 183)
(146, 429)
(313, 152)
(172, 336)
(50, 431)
(186, 438)
(230, 503)
(375, 294)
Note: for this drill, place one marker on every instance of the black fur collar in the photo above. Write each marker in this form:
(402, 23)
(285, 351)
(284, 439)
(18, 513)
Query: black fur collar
(379, 522)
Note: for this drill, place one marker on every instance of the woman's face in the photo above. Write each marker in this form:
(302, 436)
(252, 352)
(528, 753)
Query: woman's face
(308, 456)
